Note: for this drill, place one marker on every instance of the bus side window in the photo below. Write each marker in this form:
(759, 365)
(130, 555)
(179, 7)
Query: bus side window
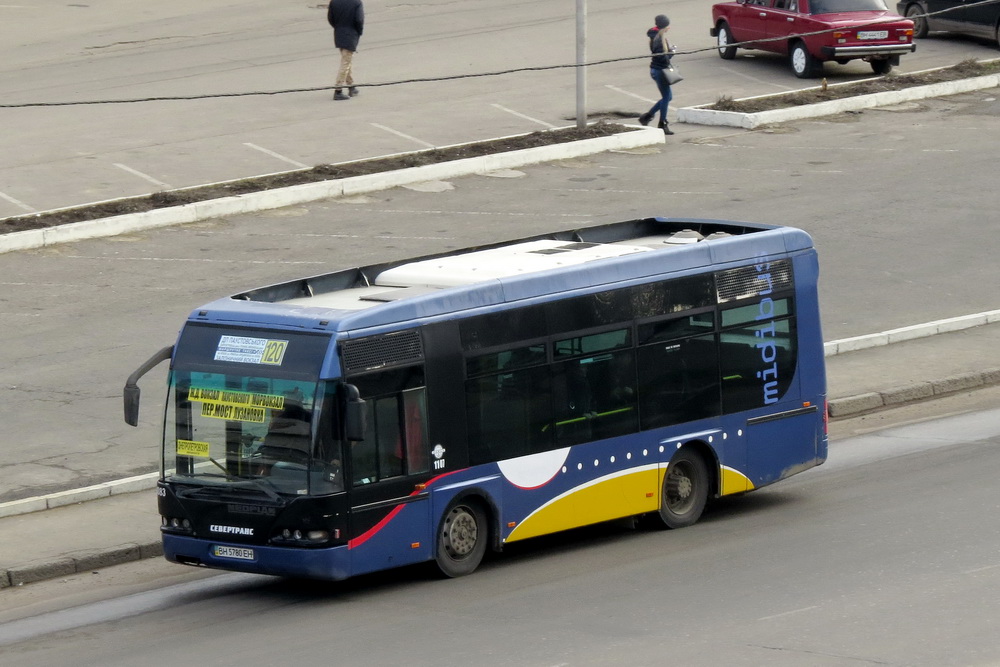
(364, 453)
(415, 431)
(756, 369)
(508, 414)
(678, 381)
(396, 440)
(595, 398)
(389, 437)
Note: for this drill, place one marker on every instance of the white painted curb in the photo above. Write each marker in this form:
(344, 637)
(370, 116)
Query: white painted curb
(73, 496)
(702, 116)
(856, 343)
(308, 192)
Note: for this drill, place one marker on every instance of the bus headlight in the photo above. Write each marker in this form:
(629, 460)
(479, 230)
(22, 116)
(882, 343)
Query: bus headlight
(174, 524)
(300, 537)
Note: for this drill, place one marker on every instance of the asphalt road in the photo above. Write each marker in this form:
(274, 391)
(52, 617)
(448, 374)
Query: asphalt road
(897, 248)
(887, 555)
(54, 52)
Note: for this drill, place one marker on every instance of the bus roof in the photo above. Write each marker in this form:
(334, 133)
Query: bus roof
(381, 295)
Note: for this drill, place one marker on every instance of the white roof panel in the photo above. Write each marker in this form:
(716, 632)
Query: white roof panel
(483, 265)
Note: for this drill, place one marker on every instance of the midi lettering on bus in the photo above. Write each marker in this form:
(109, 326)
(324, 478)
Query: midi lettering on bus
(765, 333)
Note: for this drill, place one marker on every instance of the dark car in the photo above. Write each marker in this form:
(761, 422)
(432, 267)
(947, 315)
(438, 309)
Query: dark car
(966, 18)
(812, 32)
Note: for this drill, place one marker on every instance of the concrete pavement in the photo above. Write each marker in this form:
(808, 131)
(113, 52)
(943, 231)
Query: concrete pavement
(85, 535)
(80, 530)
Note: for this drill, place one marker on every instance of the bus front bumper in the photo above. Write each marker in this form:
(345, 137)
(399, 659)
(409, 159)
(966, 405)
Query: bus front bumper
(332, 563)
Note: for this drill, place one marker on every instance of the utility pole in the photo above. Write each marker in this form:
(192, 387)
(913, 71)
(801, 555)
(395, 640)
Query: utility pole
(581, 59)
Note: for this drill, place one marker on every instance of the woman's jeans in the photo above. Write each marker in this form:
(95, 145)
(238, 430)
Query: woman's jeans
(665, 93)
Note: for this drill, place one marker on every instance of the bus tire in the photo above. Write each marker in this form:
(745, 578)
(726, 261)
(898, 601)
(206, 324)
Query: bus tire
(462, 538)
(685, 490)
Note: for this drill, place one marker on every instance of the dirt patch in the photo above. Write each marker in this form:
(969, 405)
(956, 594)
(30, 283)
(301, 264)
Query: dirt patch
(322, 172)
(966, 69)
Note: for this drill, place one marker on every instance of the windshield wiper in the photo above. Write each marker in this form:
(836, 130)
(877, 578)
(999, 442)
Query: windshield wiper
(261, 484)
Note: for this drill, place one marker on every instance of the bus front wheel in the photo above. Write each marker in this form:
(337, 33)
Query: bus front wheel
(462, 539)
(685, 490)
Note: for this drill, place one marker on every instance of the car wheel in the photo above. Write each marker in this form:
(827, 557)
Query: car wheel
(725, 41)
(881, 66)
(915, 13)
(462, 539)
(803, 63)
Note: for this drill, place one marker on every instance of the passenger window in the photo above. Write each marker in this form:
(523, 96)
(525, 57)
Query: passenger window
(678, 381)
(757, 364)
(679, 327)
(766, 309)
(609, 340)
(594, 398)
(506, 360)
(508, 414)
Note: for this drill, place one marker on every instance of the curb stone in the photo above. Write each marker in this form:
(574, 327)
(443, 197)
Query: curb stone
(854, 406)
(73, 496)
(77, 562)
(912, 332)
(701, 115)
(308, 192)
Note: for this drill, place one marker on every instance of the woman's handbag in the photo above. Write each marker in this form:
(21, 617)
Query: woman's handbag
(672, 75)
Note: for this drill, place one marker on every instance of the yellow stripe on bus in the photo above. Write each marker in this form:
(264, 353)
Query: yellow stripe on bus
(733, 481)
(610, 498)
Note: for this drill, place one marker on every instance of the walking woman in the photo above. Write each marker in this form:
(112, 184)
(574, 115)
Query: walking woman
(662, 53)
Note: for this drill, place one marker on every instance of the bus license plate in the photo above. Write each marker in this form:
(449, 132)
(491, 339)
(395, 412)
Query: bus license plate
(233, 552)
(873, 34)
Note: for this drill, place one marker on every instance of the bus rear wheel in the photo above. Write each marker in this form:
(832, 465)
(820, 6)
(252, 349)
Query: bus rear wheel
(462, 539)
(685, 490)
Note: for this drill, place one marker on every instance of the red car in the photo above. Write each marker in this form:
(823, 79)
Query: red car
(812, 32)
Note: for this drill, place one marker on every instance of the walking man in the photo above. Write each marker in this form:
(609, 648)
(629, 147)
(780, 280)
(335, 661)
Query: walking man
(348, 20)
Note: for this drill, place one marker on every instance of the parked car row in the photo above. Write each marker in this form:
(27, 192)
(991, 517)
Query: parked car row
(812, 32)
(978, 19)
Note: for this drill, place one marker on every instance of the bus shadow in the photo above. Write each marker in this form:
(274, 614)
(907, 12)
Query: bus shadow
(734, 507)
(566, 544)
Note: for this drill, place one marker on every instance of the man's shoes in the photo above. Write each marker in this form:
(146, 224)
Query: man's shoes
(645, 118)
(352, 91)
(339, 95)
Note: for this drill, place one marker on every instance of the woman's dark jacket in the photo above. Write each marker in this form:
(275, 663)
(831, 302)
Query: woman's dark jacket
(660, 59)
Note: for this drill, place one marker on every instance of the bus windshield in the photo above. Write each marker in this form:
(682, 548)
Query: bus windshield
(225, 430)
(239, 419)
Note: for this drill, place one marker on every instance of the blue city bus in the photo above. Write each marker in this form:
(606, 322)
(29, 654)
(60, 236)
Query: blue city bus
(435, 408)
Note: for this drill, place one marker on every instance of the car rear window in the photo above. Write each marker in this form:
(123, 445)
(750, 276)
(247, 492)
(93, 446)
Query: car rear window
(831, 6)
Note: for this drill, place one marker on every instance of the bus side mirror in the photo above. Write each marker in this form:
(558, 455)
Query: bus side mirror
(130, 394)
(355, 414)
(131, 397)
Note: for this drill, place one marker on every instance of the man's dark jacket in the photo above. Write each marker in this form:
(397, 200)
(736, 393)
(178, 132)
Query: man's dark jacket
(348, 20)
